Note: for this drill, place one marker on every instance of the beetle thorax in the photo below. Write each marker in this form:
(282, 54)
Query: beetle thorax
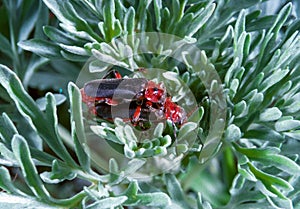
(155, 93)
(174, 112)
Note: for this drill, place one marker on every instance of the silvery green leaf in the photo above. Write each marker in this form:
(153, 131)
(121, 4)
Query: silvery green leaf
(293, 134)
(57, 175)
(133, 166)
(29, 21)
(175, 191)
(59, 36)
(286, 124)
(239, 109)
(6, 183)
(273, 79)
(41, 47)
(46, 128)
(7, 128)
(201, 19)
(42, 102)
(187, 130)
(158, 130)
(16, 202)
(75, 50)
(22, 153)
(270, 114)
(58, 9)
(8, 155)
(5, 46)
(107, 203)
(271, 182)
(78, 132)
(105, 133)
(233, 133)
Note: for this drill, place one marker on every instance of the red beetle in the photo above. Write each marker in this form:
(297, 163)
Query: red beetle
(131, 98)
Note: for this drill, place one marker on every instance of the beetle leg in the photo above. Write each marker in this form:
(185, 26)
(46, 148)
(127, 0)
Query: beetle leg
(136, 115)
(111, 102)
(114, 74)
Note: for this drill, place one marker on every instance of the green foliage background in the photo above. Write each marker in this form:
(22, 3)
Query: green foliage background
(253, 45)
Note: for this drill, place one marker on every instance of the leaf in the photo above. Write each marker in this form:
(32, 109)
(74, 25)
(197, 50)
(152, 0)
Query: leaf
(256, 152)
(78, 132)
(186, 130)
(271, 181)
(110, 202)
(22, 153)
(175, 191)
(286, 124)
(233, 133)
(133, 166)
(37, 119)
(131, 191)
(5, 46)
(273, 79)
(6, 183)
(154, 199)
(17, 202)
(270, 114)
(239, 28)
(42, 102)
(59, 173)
(41, 47)
(158, 131)
(58, 10)
(239, 109)
(7, 128)
(28, 22)
(74, 50)
(60, 37)
(264, 133)
(201, 19)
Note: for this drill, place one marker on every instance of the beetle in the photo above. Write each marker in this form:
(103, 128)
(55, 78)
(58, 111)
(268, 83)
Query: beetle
(133, 99)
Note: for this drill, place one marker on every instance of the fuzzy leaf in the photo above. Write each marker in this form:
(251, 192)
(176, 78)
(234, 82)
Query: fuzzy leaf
(175, 191)
(271, 181)
(273, 79)
(201, 19)
(233, 133)
(42, 102)
(7, 128)
(270, 114)
(6, 183)
(5, 46)
(28, 108)
(41, 47)
(17, 202)
(239, 109)
(107, 203)
(59, 37)
(21, 150)
(154, 199)
(285, 125)
(59, 173)
(78, 133)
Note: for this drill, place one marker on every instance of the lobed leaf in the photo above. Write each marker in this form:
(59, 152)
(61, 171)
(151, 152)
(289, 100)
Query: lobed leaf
(37, 119)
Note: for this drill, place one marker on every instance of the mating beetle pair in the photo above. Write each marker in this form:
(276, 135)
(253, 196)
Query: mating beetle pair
(131, 99)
